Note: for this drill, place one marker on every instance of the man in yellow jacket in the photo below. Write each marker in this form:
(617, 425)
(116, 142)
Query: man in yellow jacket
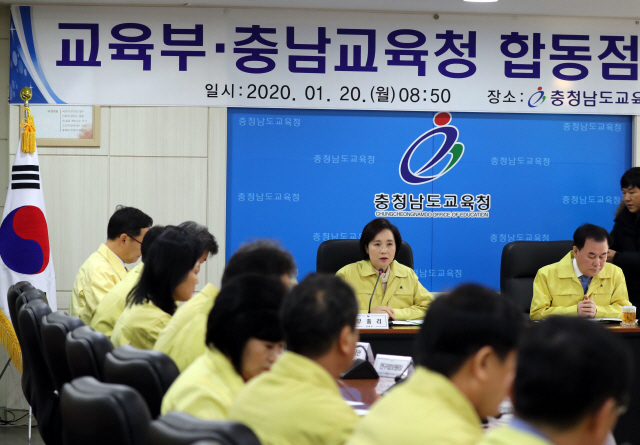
(184, 337)
(582, 283)
(298, 402)
(110, 308)
(466, 356)
(105, 267)
(551, 410)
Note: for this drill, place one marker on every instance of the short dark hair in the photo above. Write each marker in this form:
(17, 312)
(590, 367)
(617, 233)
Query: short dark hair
(561, 348)
(203, 235)
(149, 238)
(127, 220)
(631, 178)
(264, 257)
(169, 259)
(315, 312)
(247, 306)
(372, 229)
(462, 322)
(592, 232)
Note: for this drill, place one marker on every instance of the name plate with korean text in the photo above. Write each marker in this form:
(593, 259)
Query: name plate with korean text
(393, 365)
(372, 321)
(364, 352)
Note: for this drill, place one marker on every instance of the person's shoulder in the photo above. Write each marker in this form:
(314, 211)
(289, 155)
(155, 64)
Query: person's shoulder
(402, 270)
(352, 268)
(614, 270)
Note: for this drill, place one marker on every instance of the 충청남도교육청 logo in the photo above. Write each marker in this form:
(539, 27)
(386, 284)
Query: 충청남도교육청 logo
(450, 147)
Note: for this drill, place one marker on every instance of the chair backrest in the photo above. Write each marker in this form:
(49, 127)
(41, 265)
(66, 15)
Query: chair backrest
(520, 263)
(86, 352)
(16, 300)
(178, 428)
(149, 372)
(334, 254)
(44, 397)
(12, 296)
(96, 413)
(53, 331)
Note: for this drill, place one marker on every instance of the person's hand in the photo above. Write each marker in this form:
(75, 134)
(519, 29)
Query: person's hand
(610, 255)
(383, 310)
(587, 308)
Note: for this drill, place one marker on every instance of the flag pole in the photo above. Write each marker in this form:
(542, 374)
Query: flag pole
(8, 338)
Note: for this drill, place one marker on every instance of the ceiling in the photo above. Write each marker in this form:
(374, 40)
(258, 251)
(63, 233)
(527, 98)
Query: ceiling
(627, 9)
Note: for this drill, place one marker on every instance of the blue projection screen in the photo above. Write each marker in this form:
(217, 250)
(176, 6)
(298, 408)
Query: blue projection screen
(458, 186)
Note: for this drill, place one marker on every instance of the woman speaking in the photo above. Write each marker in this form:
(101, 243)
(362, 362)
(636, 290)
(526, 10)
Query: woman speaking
(398, 292)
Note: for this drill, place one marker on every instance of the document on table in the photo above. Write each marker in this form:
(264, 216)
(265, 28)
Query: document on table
(408, 323)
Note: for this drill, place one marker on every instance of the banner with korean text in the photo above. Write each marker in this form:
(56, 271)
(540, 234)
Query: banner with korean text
(322, 59)
(459, 186)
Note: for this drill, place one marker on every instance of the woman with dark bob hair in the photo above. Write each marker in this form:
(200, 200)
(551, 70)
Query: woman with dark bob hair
(169, 276)
(244, 338)
(399, 293)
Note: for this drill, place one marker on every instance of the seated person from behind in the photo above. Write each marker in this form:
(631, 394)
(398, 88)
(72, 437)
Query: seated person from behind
(466, 358)
(244, 339)
(105, 267)
(550, 410)
(398, 293)
(109, 309)
(170, 275)
(582, 283)
(184, 337)
(298, 402)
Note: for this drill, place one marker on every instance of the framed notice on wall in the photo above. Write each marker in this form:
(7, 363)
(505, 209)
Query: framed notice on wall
(66, 125)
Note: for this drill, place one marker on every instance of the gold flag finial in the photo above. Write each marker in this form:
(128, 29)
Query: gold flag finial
(28, 126)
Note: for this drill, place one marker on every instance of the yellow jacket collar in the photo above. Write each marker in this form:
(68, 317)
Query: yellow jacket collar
(366, 269)
(224, 368)
(297, 367)
(210, 291)
(113, 260)
(435, 384)
(565, 268)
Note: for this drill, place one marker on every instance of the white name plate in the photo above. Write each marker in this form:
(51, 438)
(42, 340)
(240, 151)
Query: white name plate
(372, 321)
(364, 352)
(393, 365)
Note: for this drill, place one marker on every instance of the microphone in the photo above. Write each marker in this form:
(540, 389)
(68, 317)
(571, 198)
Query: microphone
(380, 272)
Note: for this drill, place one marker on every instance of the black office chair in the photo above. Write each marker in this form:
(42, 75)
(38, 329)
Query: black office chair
(520, 263)
(334, 254)
(15, 302)
(44, 397)
(149, 372)
(86, 352)
(178, 428)
(54, 330)
(96, 413)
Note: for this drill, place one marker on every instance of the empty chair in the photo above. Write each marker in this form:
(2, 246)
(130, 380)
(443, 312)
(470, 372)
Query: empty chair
(334, 254)
(44, 397)
(86, 351)
(149, 372)
(15, 303)
(54, 330)
(176, 428)
(12, 296)
(520, 263)
(96, 413)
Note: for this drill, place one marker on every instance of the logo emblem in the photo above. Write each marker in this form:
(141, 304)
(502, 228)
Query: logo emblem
(537, 98)
(450, 147)
(24, 241)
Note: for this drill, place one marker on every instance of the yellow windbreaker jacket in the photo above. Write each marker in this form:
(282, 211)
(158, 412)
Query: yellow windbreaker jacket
(408, 298)
(99, 273)
(557, 291)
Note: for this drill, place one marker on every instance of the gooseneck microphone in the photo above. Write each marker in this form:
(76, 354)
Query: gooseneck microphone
(380, 272)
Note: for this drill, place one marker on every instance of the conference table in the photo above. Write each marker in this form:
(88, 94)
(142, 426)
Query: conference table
(399, 340)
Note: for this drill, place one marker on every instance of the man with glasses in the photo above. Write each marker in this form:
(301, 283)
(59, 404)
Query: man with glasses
(572, 382)
(105, 267)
